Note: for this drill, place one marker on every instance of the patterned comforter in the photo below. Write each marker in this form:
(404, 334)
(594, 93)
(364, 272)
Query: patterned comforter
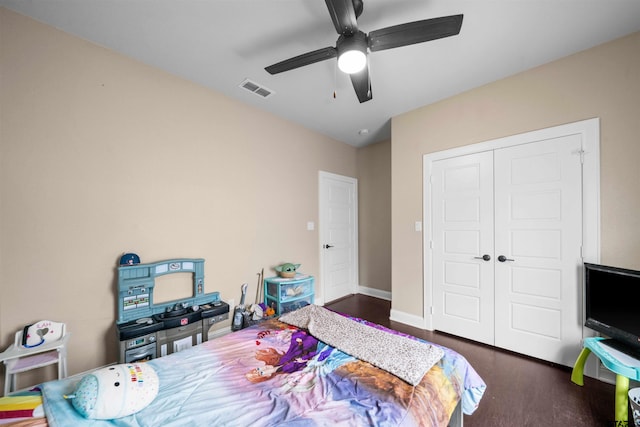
(275, 374)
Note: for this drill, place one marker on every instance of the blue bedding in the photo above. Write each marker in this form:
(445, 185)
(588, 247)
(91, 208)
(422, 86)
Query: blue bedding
(276, 374)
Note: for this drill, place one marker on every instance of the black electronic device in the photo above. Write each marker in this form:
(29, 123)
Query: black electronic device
(612, 297)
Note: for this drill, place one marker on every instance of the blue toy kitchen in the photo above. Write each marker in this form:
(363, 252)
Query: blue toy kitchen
(148, 327)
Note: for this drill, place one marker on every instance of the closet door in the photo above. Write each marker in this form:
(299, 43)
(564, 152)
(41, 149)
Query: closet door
(462, 225)
(538, 231)
(506, 240)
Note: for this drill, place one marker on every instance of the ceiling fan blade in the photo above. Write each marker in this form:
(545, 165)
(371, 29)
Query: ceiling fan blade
(343, 15)
(302, 60)
(414, 32)
(362, 85)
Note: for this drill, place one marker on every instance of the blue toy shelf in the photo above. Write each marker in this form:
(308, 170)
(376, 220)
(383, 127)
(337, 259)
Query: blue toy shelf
(287, 294)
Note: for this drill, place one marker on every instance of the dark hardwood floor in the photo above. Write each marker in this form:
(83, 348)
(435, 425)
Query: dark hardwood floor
(521, 391)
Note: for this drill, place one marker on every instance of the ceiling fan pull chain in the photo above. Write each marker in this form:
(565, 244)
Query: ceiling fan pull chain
(335, 66)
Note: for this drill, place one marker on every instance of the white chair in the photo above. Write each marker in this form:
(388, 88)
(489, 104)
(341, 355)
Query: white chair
(19, 358)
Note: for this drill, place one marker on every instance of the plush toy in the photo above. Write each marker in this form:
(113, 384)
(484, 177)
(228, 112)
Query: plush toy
(287, 269)
(41, 332)
(115, 391)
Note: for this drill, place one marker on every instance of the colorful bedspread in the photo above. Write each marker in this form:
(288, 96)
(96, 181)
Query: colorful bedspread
(276, 374)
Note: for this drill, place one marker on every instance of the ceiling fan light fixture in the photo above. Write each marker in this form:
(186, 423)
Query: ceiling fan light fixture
(352, 61)
(352, 52)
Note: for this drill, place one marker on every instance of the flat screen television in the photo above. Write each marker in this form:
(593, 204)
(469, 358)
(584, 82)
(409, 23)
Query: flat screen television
(613, 304)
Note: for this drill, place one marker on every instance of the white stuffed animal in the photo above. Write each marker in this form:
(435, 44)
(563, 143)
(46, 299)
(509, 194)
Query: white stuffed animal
(115, 391)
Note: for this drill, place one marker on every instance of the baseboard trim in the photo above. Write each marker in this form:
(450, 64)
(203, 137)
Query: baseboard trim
(408, 319)
(395, 315)
(217, 333)
(373, 292)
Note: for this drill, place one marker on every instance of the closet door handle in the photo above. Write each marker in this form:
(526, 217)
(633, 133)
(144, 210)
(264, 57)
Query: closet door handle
(485, 257)
(327, 246)
(503, 258)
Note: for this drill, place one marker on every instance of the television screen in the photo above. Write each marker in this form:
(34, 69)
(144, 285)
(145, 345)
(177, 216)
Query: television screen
(613, 302)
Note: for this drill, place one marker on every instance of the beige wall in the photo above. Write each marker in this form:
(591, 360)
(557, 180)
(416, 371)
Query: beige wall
(374, 216)
(600, 82)
(100, 154)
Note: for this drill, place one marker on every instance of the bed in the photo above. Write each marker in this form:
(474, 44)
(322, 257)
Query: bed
(279, 372)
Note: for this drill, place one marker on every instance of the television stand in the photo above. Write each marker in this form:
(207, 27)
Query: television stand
(622, 370)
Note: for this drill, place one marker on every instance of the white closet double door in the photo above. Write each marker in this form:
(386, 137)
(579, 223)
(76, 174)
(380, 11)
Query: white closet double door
(507, 237)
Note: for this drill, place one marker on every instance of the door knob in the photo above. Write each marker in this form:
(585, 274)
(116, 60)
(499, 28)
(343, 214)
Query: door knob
(485, 257)
(327, 246)
(503, 258)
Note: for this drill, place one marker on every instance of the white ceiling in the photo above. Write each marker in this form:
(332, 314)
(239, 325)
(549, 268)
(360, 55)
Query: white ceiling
(219, 43)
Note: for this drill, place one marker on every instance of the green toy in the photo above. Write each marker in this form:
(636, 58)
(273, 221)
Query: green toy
(287, 269)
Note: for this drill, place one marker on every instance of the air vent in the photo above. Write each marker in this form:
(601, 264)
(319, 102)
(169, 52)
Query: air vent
(256, 89)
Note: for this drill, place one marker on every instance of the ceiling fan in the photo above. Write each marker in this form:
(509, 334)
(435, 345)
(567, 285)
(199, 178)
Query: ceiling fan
(352, 44)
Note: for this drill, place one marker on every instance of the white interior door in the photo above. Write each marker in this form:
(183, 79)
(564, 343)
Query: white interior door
(338, 235)
(463, 290)
(538, 217)
(506, 247)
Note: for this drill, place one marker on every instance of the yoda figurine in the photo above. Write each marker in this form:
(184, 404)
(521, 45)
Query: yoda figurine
(287, 269)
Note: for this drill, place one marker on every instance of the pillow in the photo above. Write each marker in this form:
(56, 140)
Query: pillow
(115, 391)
